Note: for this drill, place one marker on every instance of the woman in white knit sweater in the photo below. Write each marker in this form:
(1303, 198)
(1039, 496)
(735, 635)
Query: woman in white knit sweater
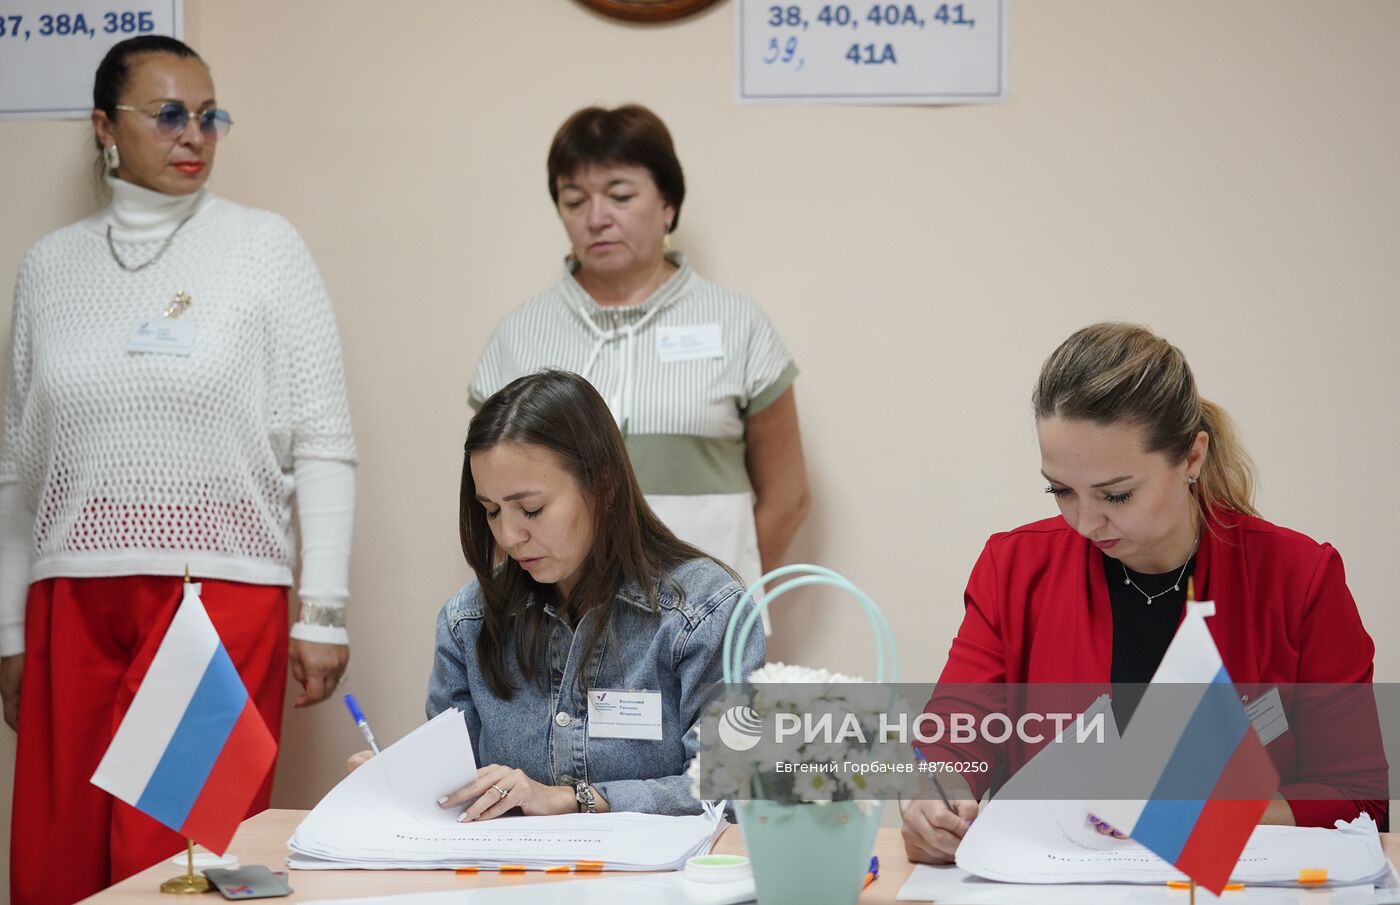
(175, 375)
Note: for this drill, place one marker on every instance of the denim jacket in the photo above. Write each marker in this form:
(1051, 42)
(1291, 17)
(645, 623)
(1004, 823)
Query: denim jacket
(544, 730)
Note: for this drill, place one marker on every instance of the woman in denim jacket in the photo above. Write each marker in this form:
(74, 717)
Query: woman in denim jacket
(582, 596)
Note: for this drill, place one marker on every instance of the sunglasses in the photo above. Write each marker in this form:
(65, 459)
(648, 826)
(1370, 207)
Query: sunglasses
(172, 118)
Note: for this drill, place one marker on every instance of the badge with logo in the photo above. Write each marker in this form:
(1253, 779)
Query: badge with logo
(620, 713)
(692, 342)
(162, 337)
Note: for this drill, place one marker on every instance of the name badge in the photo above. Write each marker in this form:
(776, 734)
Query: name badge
(163, 337)
(690, 343)
(1266, 715)
(613, 713)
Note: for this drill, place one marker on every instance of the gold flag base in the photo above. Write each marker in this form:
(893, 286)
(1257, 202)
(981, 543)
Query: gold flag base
(189, 884)
(185, 886)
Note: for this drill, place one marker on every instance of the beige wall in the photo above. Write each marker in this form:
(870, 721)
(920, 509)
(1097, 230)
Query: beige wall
(1222, 171)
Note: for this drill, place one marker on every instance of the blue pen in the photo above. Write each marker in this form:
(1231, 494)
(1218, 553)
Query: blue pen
(358, 716)
(873, 873)
(933, 776)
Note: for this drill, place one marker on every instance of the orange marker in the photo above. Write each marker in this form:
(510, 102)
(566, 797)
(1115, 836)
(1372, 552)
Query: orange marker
(1312, 876)
(557, 869)
(467, 870)
(511, 868)
(589, 867)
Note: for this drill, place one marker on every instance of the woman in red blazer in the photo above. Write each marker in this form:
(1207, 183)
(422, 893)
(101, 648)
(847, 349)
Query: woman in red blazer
(1154, 487)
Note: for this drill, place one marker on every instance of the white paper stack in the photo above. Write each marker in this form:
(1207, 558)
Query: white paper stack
(385, 815)
(1053, 842)
(653, 889)
(950, 885)
(1016, 839)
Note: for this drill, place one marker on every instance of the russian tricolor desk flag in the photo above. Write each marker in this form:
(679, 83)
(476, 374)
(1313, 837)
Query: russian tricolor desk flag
(192, 750)
(1191, 744)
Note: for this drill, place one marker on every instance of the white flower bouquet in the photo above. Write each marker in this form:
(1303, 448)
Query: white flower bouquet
(818, 740)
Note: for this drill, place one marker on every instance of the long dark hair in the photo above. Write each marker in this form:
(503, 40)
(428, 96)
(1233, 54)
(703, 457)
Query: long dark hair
(563, 413)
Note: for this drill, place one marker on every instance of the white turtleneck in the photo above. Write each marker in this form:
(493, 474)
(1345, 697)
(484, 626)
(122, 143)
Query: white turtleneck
(140, 463)
(139, 214)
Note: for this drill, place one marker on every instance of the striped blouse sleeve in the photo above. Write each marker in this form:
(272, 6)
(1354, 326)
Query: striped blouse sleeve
(769, 368)
(487, 379)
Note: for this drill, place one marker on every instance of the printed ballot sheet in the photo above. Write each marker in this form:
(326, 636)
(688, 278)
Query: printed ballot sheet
(385, 815)
(652, 889)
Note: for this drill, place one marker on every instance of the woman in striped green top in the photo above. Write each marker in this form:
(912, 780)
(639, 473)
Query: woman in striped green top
(695, 374)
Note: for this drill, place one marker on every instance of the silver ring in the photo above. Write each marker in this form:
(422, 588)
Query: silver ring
(502, 792)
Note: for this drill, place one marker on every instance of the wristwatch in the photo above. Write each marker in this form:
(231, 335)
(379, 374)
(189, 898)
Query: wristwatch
(586, 797)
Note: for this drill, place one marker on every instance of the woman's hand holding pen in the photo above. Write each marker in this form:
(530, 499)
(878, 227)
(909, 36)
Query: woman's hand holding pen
(932, 832)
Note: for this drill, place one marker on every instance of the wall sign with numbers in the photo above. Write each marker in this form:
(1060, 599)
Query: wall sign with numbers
(869, 52)
(49, 49)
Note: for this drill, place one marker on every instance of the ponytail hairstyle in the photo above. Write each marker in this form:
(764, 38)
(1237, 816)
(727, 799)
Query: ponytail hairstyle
(1109, 373)
(563, 413)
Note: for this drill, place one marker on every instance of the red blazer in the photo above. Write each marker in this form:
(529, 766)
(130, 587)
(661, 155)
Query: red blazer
(1038, 610)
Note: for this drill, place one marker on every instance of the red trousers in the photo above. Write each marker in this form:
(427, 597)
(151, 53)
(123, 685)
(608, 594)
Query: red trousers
(88, 643)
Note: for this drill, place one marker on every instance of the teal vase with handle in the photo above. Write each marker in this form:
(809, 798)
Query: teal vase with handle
(804, 852)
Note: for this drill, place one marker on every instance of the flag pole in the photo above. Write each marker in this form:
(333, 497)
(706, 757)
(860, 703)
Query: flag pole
(189, 884)
(1191, 595)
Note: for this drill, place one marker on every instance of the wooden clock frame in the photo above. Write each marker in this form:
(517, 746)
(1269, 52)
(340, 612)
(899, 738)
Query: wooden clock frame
(647, 10)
